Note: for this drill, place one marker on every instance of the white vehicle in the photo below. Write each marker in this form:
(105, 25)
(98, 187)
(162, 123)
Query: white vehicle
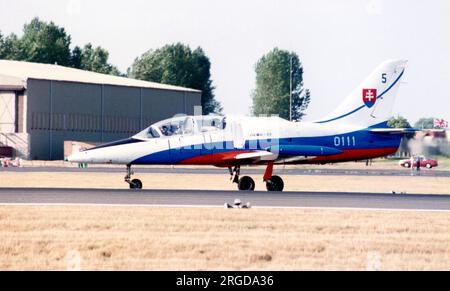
(355, 130)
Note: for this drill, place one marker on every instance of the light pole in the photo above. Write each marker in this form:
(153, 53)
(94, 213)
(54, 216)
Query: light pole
(290, 90)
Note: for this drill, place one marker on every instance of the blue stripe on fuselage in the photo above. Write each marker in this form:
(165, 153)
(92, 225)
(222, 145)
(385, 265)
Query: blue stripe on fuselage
(362, 139)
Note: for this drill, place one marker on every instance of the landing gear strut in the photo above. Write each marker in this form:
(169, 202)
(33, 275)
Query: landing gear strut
(245, 183)
(135, 183)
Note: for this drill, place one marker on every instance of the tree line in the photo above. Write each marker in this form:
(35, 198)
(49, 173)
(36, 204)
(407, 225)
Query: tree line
(47, 43)
(422, 123)
(277, 73)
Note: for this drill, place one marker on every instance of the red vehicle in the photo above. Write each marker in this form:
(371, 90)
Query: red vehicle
(424, 162)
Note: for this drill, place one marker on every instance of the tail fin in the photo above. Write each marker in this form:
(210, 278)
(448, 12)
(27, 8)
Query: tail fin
(372, 101)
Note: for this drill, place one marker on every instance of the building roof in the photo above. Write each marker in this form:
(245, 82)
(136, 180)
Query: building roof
(13, 73)
(11, 83)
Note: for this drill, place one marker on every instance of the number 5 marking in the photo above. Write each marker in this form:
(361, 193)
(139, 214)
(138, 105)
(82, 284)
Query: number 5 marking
(383, 78)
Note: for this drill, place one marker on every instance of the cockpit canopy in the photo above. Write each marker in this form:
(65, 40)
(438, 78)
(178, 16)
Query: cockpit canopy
(183, 125)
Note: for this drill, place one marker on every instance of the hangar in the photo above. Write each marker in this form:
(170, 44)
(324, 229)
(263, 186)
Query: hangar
(42, 105)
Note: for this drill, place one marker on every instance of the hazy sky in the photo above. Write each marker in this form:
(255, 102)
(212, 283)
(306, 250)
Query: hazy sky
(339, 42)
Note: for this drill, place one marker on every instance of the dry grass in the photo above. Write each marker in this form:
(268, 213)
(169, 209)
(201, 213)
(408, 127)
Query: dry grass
(40, 237)
(407, 184)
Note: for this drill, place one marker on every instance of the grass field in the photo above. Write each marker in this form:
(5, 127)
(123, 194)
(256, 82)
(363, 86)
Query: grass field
(121, 238)
(376, 184)
(137, 238)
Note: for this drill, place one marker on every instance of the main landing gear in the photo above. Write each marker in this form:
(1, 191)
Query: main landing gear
(246, 183)
(135, 183)
(273, 183)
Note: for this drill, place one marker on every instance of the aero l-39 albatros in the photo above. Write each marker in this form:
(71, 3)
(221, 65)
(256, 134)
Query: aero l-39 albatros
(355, 130)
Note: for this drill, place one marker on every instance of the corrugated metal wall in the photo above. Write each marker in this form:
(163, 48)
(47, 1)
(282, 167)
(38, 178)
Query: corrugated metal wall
(59, 110)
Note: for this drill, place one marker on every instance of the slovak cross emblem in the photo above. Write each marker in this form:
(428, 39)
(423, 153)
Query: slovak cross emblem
(369, 97)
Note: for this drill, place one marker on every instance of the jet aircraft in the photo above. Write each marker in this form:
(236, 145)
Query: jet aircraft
(355, 130)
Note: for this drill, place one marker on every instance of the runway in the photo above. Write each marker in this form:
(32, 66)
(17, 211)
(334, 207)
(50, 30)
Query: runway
(218, 198)
(245, 170)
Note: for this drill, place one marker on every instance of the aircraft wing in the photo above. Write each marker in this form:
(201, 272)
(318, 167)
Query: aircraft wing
(257, 155)
(274, 152)
(284, 152)
(249, 157)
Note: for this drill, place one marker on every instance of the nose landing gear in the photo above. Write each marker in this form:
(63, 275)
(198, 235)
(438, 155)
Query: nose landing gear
(245, 183)
(135, 183)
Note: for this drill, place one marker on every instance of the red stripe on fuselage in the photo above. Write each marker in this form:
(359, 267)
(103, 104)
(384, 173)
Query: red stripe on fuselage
(229, 158)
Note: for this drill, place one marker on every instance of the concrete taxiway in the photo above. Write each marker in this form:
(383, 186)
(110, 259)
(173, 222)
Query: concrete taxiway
(245, 170)
(129, 197)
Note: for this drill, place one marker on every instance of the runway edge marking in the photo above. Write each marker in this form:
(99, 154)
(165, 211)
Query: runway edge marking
(216, 206)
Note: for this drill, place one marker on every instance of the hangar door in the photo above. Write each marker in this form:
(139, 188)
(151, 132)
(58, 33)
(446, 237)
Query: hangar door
(7, 112)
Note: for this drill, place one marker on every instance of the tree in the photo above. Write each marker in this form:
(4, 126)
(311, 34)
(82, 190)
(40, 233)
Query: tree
(44, 42)
(399, 122)
(10, 47)
(93, 59)
(272, 92)
(425, 123)
(178, 65)
(2, 46)
(300, 104)
(75, 57)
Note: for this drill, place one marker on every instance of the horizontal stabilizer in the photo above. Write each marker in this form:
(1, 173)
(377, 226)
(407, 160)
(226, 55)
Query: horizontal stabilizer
(393, 130)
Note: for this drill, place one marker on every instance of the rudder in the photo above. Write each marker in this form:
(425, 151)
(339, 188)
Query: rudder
(372, 101)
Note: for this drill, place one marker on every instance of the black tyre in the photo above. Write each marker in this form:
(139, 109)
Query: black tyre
(275, 183)
(136, 184)
(246, 184)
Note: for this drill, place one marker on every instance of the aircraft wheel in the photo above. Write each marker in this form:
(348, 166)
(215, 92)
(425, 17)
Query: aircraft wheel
(246, 184)
(429, 166)
(275, 183)
(135, 184)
